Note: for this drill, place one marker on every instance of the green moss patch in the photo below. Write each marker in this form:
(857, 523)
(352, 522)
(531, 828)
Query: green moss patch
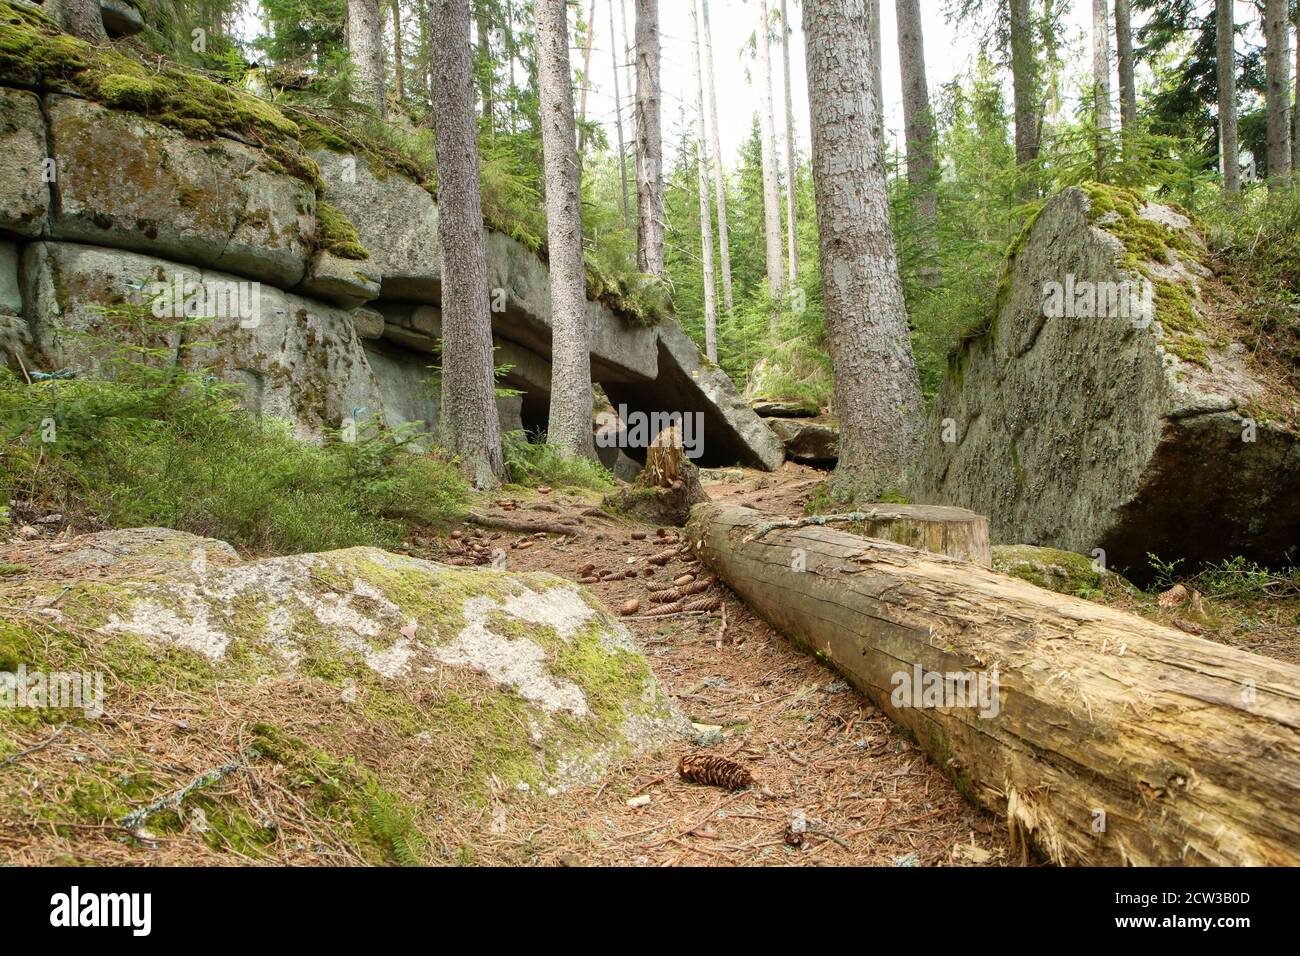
(337, 235)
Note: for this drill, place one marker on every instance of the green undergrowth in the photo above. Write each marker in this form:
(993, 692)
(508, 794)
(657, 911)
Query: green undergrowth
(537, 464)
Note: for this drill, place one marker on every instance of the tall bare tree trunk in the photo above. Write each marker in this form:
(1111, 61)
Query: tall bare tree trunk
(877, 392)
(791, 180)
(586, 80)
(470, 427)
(1295, 110)
(569, 426)
(877, 66)
(82, 18)
(425, 8)
(1278, 90)
(719, 169)
(618, 119)
(1128, 104)
(366, 48)
(1024, 81)
(1225, 27)
(649, 143)
(1101, 80)
(483, 32)
(771, 193)
(398, 69)
(706, 216)
(919, 122)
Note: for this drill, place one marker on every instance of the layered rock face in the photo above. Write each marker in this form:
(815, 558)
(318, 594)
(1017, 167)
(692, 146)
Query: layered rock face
(98, 205)
(1108, 406)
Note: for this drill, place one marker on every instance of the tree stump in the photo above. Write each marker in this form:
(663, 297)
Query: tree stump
(667, 488)
(955, 532)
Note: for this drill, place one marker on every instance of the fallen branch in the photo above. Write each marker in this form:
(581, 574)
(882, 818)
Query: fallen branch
(530, 525)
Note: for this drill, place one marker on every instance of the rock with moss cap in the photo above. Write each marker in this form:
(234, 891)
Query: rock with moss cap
(1129, 431)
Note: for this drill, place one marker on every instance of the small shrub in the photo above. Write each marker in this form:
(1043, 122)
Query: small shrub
(535, 463)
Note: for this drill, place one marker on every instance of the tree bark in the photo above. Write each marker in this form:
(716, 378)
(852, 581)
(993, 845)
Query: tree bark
(618, 120)
(366, 49)
(1128, 109)
(470, 427)
(877, 392)
(1278, 91)
(919, 122)
(1101, 80)
(1104, 739)
(649, 143)
(1024, 81)
(771, 193)
(569, 425)
(586, 80)
(719, 168)
(1295, 110)
(399, 80)
(1225, 46)
(956, 532)
(82, 18)
(877, 67)
(706, 215)
(791, 180)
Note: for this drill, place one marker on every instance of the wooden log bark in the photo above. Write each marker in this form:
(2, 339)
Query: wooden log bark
(955, 532)
(1113, 740)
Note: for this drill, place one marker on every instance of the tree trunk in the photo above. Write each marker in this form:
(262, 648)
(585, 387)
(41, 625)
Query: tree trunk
(791, 180)
(1128, 104)
(706, 216)
(1295, 110)
(649, 143)
(877, 392)
(483, 32)
(719, 169)
(1103, 738)
(470, 427)
(1278, 91)
(398, 69)
(82, 18)
(366, 48)
(618, 120)
(877, 67)
(956, 532)
(586, 80)
(771, 193)
(1024, 81)
(569, 426)
(919, 122)
(430, 52)
(1101, 80)
(1225, 27)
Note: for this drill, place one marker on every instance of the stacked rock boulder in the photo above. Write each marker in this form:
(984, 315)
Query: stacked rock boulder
(115, 183)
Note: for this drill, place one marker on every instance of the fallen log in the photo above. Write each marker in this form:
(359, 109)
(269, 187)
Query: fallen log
(1106, 739)
(955, 532)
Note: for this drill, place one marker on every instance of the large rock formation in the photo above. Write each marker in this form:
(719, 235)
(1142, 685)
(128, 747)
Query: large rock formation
(103, 201)
(1079, 421)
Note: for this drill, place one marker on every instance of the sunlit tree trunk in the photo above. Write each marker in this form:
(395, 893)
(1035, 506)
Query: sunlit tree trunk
(366, 48)
(791, 180)
(399, 80)
(919, 123)
(470, 427)
(877, 65)
(719, 169)
(618, 119)
(1277, 61)
(771, 193)
(1128, 108)
(1024, 81)
(1225, 27)
(649, 142)
(877, 392)
(569, 426)
(706, 217)
(1101, 79)
(589, 40)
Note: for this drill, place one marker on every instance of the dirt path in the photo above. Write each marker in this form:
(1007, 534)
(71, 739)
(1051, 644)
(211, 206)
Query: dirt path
(817, 749)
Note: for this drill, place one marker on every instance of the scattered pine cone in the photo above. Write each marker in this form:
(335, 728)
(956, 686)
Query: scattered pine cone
(710, 603)
(663, 557)
(667, 597)
(714, 771)
(586, 569)
(684, 580)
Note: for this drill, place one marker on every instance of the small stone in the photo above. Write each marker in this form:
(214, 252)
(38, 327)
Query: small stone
(641, 800)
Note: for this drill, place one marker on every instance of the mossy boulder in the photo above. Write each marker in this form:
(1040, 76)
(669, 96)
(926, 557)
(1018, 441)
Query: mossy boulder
(130, 183)
(24, 192)
(1064, 572)
(396, 699)
(815, 442)
(1110, 425)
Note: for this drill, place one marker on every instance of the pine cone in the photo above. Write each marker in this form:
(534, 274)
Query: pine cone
(714, 771)
(671, 596)
(710, 603)
(663, 557)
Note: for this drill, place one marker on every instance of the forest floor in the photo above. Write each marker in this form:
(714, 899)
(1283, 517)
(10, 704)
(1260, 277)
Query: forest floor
(817, 749)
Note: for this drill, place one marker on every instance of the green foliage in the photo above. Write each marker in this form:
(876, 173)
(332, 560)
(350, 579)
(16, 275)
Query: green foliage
(535, 464)
(392, 822)
(155, 445)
